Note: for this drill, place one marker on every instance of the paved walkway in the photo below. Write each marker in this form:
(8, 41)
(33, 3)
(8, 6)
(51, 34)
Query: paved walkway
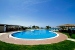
(2, 33)
(71, 39)
(7, 39)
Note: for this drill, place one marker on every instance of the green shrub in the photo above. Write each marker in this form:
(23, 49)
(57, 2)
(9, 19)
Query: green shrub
(73, 36)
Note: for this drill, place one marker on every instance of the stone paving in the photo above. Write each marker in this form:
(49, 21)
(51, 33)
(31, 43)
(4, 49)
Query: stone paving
(5, 38)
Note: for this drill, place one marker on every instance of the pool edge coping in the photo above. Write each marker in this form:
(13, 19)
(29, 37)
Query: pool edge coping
(10, 36)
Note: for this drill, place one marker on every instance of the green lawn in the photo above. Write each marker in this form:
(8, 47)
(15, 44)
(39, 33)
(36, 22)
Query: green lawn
(66, 34)
(65, 45)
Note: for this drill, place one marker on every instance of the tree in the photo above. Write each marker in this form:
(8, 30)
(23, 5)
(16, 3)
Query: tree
(23, 28)
(33, 27)
(70, 32)
(37, 27)
(48, 27)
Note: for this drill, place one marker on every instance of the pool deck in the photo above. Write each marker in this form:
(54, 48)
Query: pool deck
(5, 38)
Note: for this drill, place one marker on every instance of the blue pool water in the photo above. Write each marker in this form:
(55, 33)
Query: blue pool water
(34, 34)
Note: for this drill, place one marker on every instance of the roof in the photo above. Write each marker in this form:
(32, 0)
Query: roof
(8, 25)
(2, 24)
(67, 25)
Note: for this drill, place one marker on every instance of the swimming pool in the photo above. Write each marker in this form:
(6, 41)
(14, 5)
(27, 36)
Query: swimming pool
(35, 35)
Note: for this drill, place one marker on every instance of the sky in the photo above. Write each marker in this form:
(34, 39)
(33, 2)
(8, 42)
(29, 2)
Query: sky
(37, 12)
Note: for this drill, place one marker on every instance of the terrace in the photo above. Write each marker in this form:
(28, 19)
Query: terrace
(68, 29)
(58, 42)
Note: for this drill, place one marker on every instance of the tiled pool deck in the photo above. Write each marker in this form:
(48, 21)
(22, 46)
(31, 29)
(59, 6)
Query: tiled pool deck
(5, 38)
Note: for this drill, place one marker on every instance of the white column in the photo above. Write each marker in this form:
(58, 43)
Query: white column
(4, 28)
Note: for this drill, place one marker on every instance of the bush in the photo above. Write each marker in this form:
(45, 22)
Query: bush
(73, 36)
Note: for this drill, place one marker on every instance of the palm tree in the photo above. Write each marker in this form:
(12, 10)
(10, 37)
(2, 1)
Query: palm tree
(48, 27)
